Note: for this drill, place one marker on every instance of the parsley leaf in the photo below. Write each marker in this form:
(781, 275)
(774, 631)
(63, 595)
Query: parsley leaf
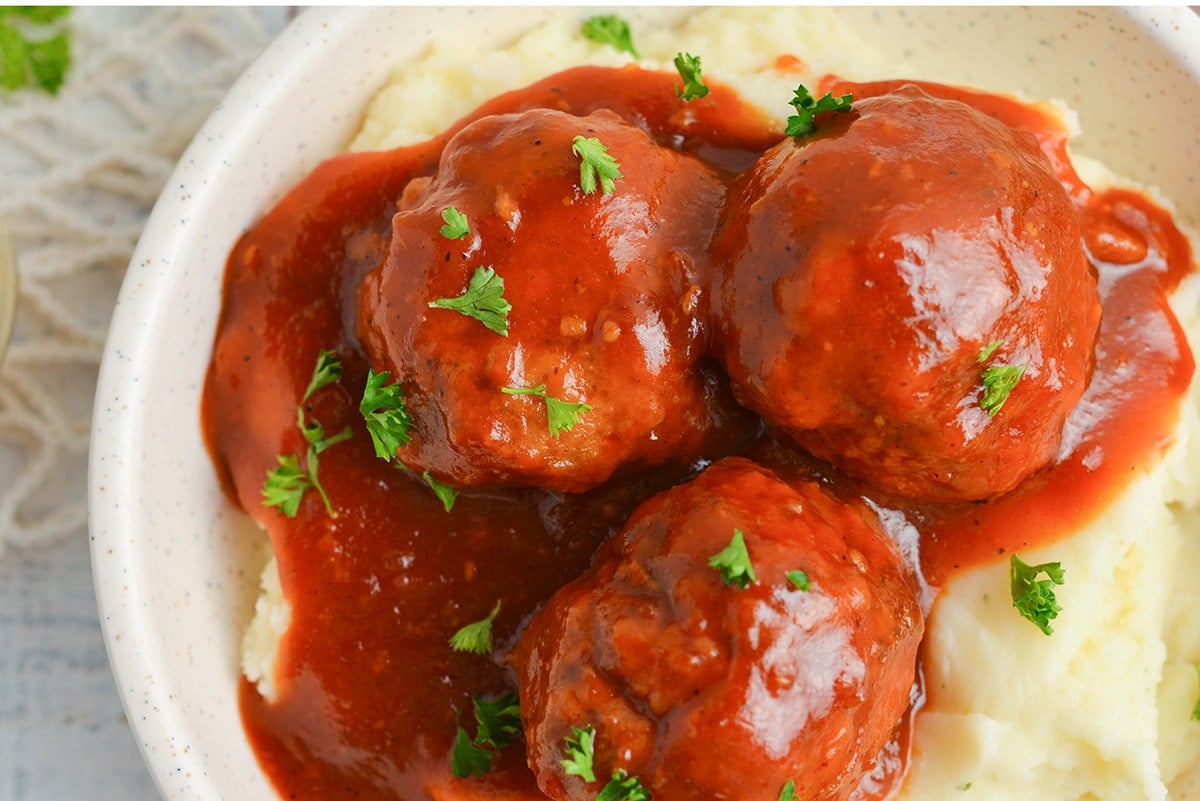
(445, 493)
(468, 759)
(1033, 597)
(476, 637)
(799, 579)
(734, 563)
(456, 223)
(328, 371)
(595, 163)
(623, 787)
(580, 749)
(286, 485)
(611, 30)
(483, 299)
(803, 122)
(988, 350)
(30, 58)
(998, 381)
(693, 87)
(387, 418)
(499, 720)
(561, 415)
(788, 793)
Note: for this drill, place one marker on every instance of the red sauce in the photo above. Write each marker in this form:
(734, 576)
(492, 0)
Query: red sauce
(369, 690)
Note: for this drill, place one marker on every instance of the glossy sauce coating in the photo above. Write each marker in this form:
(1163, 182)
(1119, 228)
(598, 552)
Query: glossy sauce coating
(605, 306)
(863, 292)
(799, 679)
(368, 686)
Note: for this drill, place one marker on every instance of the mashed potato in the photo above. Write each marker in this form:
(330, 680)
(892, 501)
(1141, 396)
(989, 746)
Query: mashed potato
(1100, 710)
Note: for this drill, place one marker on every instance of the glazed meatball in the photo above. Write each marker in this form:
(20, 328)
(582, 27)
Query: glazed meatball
(705, 690)
(603, 296)
(907, 295)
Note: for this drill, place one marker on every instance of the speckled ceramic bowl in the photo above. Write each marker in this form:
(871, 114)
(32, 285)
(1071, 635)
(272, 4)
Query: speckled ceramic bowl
(176, 565)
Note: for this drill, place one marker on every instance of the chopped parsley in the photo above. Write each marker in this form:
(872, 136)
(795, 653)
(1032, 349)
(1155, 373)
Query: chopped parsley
(455, 223)
(734, 564)
(497, 722)
(468, 759)
(998, 382)
(483, 299)
(1034, 597)
(988, 350)
(998, 379)
(35, 50)
(611, 30)
(580, 750)
(788, 793)
(595, 164)
(561, 415)
(623, 787)
(693, 87)
(286, 484)
(803, 122)
(328, 371)
(387, 418)
(444, 492)
(799, 579)
(476, 638)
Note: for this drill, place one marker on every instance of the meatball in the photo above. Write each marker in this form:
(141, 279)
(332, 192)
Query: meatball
(907, 295)
(604, 306)
(702, 689)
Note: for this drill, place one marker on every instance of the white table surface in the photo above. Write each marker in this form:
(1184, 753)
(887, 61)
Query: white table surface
(78, 175)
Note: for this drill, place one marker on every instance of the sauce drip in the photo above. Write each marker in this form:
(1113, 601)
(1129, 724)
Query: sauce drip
(370, 692)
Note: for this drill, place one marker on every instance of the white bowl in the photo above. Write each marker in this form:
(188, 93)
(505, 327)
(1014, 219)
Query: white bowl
(176, 566)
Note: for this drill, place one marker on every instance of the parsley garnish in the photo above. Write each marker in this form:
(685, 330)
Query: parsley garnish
(623, 787)
(803, 122)
(734, 563)
(693, 87)
(387, 418)
(468, 759)
(497, 722)
(580, 749)
(483, 299)
(328, 371)
(595, 163)
(1033, 597)
(988, 350)
(611, 30)
(30, 58)
(445, 493)
(456, 223)
(476, 637)
(286, 484)
(560, 414)
(998, 381)
(799, 579)
(788, 793)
